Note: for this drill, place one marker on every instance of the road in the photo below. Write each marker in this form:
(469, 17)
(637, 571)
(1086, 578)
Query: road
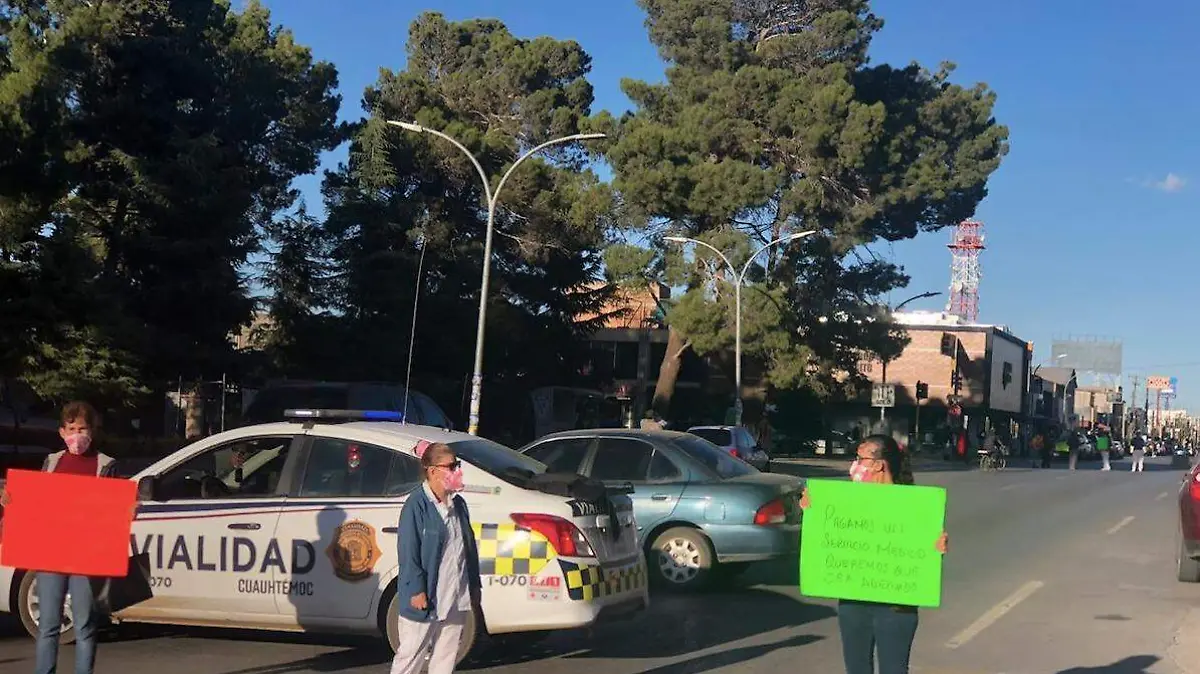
(1049, 572)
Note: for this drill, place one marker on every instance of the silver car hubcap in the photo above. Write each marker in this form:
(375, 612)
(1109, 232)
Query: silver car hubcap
(35, 608)
(679, 560)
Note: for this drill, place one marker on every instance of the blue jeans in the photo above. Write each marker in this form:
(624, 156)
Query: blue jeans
(52, 591)
(867, 627)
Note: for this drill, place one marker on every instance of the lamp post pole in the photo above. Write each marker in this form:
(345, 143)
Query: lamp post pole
(739, 277)
(492, 197)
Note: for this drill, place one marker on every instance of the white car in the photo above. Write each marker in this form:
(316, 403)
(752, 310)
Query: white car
(292, 527)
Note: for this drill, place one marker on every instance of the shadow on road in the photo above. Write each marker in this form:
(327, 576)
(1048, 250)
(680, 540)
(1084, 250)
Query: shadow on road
(734, 656)
(1134, 664)
(680, 625)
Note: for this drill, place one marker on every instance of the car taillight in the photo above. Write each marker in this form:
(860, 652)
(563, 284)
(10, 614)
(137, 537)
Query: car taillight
(771, 512)
(733, 451)
(1194, 486)
(567, 539)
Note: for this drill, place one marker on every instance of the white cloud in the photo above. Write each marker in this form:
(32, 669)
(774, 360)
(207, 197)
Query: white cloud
(1173, 182)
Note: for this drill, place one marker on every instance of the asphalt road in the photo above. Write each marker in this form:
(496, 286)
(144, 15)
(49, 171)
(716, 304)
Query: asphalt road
(1049, 572)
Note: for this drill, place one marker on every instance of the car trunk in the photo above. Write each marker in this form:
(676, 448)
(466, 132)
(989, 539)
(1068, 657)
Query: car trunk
(603, 513)
(785, 487)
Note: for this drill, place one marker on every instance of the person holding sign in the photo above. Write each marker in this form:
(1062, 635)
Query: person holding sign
(868, 627)
(77, 428)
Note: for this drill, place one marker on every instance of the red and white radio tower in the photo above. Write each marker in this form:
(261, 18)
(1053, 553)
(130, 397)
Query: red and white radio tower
(965, 246)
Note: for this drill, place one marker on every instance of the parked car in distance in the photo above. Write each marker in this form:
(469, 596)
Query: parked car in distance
(737, 441)
(1188, 557)
(699, 510)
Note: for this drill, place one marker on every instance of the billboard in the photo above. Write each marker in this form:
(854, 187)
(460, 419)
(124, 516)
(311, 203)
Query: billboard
(1087, 355)
(1006, 390)
(1158, 383)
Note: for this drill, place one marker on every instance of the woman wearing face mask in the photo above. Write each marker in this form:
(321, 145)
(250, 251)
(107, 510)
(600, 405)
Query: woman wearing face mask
(79, 423)
(439, 566)
(867, 627)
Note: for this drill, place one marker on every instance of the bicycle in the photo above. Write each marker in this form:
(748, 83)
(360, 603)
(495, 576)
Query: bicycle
(997, 460)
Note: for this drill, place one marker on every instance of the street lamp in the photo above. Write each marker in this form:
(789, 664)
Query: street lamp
(883, 374)
(492, 200)
(739, 277)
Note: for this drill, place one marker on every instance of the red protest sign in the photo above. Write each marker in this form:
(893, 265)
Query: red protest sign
(71, 524)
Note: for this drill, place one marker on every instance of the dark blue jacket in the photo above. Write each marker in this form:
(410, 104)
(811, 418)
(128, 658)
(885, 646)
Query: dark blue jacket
(420, 543)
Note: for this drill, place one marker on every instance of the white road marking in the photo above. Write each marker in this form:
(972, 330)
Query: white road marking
(1007, 487)
(1120, 525)
(995, 613)
(1162, 496)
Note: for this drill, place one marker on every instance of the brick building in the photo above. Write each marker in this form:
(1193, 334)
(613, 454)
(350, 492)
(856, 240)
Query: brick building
(989, 364)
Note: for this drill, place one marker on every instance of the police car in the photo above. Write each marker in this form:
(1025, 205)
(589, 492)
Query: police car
(292, 527)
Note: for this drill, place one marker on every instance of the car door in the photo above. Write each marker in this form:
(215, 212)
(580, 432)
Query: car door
(657, 482)
(347, 508)
(209, 529)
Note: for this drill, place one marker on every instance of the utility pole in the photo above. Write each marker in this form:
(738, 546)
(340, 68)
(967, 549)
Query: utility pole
(1133, 397)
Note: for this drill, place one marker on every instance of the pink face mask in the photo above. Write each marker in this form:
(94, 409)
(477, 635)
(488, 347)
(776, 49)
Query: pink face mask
(859, 472)
(78, 443)
(454, 480)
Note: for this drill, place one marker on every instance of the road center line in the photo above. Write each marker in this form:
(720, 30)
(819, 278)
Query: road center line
(1162, 496)
(995, 613)
(1120, 525)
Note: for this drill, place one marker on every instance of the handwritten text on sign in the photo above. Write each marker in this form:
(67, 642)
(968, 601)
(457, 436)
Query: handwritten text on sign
(872, 543)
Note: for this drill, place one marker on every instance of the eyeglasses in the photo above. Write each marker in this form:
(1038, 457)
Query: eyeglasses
(453, 465)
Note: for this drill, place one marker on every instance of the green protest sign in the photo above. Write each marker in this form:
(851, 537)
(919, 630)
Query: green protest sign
(873, 542)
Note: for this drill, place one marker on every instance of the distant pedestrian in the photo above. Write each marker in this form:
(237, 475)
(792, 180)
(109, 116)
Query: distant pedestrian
(1139, 453)
(870, 628)
(1041, 447)
(1103, 444)
(1074, 440)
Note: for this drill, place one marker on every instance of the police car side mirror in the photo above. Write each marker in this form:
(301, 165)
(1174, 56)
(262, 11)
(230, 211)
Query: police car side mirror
(147, 488)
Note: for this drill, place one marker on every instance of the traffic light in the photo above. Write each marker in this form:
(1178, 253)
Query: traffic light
(948, 344)
(956, 380)
(922, 390)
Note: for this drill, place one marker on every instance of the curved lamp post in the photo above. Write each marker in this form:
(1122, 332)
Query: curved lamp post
(883, 373)
(492, 200)
(739, 277)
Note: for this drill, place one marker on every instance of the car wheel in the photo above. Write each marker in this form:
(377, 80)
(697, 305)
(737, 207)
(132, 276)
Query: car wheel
(1187, 569)
(30, 612)
(681, 559)
(392, 629)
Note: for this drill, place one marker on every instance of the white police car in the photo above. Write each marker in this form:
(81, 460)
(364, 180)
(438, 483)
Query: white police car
(292, 527)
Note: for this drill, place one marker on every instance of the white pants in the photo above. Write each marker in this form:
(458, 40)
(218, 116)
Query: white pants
(1139, 461)
(416, 639)
(1107, 465)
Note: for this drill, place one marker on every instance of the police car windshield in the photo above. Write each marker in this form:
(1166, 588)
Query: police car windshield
(498, 460)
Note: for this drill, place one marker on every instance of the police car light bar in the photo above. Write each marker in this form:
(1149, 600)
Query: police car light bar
(344, 415)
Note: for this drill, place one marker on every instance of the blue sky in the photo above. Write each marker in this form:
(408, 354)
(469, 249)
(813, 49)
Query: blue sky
(1092, 219)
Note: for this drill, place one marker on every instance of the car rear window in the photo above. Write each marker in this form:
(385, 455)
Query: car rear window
(495, 458)
(717, 436)
(717, 460)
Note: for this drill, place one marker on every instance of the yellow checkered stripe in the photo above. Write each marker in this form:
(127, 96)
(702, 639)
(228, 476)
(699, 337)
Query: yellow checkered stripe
(509, 550)
(585, 583)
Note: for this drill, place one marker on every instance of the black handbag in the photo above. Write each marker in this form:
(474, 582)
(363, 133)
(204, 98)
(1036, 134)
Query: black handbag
(116, 594)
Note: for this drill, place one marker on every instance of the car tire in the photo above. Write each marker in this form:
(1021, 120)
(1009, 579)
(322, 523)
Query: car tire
(1187, 570)
(680, 559)
(391, 628)
(28, 611)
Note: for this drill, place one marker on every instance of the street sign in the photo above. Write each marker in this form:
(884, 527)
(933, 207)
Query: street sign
(883, 395)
